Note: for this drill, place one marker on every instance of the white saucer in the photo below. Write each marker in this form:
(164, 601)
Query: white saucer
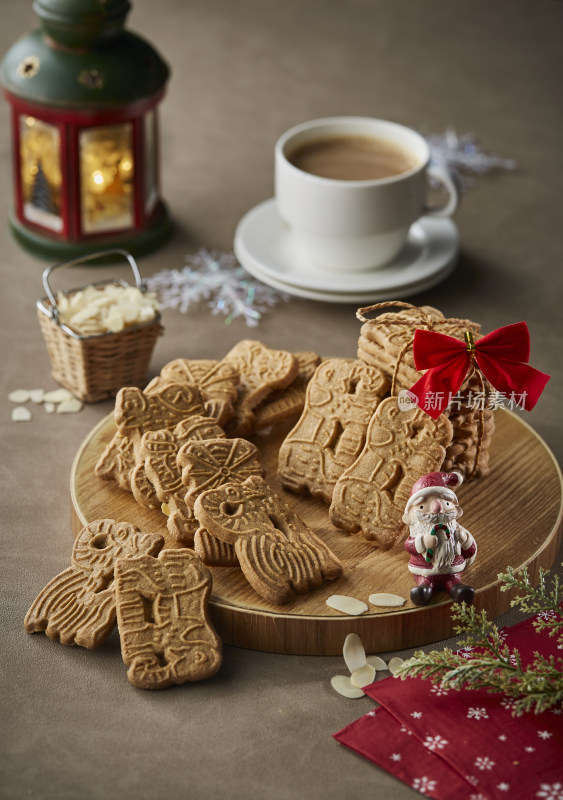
(264, 246)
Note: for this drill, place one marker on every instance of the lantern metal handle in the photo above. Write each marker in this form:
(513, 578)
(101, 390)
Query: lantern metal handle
(84, 259)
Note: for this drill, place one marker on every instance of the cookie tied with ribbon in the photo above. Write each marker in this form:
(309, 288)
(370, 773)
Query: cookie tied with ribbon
(501, 357)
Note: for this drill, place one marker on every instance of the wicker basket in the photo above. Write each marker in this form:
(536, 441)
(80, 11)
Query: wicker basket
(94, 368)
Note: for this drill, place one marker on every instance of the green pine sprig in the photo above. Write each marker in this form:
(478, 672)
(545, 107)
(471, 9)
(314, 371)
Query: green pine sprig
(495, 667)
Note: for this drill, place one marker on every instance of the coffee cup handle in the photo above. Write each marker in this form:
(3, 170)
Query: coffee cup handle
(443, 176)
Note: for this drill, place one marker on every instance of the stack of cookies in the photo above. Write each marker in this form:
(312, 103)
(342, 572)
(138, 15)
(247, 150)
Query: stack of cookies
(386, 342)
(356, 449)
(179, 446)
(360, 450)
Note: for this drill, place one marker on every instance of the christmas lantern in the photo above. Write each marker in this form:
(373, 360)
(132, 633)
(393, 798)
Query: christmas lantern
(84, 95)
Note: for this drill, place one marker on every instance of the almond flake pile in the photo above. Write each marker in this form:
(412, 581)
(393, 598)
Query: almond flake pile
(60, 401)
(106, 309)
(362, 668)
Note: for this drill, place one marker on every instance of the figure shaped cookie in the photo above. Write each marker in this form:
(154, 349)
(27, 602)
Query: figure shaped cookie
(216, 380)
(135, 413)
(158, 452)
(117, 461)
(400, 446)
(261, 371)
(157, 456)
(162, 614)
(207, 465)
(289, 402)
(278, 554)
(341, 399)
(78, 606)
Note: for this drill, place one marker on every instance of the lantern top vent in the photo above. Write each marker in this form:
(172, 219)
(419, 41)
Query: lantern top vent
(81, 23)
(82, 58)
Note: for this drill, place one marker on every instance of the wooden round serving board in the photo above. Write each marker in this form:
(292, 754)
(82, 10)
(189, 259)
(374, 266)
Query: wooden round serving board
(515, 515)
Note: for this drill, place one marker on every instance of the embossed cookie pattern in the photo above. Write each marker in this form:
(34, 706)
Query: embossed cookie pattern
(207, 465)
(341, 399)
(262, 371)
(78, 605)
(117, 461)
(135, 413)
(213, 551)
(164, 627)
(400, 447)
(289, 402)
(216, 380)
(158, 454)
(278, 553)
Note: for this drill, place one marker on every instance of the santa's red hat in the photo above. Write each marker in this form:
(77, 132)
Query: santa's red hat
(441, 483)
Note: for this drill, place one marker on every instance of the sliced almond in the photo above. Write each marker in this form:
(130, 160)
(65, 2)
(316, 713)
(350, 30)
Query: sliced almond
(394, 665)
(21, 414)
(49, 407)
(343, 685)
(115, 322)
(346, 604)
(70, 406)
(36, 395)
(19, 396)
(353, 652)
(363, 676)
(378, 663)
(387, 600)
(57, 396)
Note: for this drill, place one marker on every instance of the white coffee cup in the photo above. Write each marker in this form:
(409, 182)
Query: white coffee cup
(355, 225)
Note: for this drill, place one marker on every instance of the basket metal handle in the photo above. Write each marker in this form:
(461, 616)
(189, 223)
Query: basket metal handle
(83, 260)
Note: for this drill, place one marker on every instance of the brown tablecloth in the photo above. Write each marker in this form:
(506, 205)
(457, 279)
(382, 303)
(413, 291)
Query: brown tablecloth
(242, 72)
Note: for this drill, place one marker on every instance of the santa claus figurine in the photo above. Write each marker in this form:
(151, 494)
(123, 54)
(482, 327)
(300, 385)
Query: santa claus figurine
(440, 548)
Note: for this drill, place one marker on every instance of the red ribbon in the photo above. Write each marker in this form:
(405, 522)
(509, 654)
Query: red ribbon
(501, 355)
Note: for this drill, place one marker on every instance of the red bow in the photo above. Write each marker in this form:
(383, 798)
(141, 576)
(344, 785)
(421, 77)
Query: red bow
(501, 355)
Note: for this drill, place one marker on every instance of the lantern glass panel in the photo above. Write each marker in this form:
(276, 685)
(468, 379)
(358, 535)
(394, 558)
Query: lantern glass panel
(40, 170)
(150, 161)
(106, 177)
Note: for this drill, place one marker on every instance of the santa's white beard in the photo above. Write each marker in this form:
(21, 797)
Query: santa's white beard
(444, 552)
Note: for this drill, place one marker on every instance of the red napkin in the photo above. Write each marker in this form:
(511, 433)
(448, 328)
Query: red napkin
(464, 745)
